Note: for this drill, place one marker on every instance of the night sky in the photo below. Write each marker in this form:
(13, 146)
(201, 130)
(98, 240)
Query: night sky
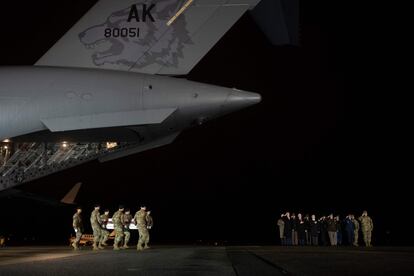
(313, 145)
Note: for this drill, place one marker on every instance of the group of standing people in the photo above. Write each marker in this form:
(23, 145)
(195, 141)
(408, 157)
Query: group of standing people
(122, 220)
(329, 230)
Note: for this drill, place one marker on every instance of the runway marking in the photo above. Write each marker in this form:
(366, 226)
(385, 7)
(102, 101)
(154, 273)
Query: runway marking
(281, 269)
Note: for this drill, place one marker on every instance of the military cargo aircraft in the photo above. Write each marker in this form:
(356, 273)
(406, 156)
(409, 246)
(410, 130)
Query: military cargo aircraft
(109, 88)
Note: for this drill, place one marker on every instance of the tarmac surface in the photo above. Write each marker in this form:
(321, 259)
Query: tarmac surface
(198, 260)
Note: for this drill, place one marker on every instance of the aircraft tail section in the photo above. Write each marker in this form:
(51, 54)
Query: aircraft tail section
(166, 37)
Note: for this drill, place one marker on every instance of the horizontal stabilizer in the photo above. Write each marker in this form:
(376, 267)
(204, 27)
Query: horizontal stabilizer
(14, 193)
(152, 145)
(70, 197)
(106, 120)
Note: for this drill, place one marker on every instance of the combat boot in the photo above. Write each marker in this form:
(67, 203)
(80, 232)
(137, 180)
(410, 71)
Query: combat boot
(146, 247)
(75, 246)
(116, 248)
(125, 246)
(101, 247)
(140, 248)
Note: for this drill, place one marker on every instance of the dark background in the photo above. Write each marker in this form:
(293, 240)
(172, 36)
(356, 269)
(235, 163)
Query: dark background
(316, 144)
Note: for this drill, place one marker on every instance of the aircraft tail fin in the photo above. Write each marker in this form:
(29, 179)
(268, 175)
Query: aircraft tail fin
(166, 37)
(70, 197)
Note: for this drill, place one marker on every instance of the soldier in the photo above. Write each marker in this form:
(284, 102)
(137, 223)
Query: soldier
(150, 221)
(281, 225)
(2, 241)
(78, 227)
(150, 224)
(141, 222)
(96, 227)
(127, 218)
(104, 232)
(367, 226)
(117, 220)
(356, 229)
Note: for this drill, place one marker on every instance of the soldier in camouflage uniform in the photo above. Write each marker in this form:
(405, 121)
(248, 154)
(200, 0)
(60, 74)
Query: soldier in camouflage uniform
(150, 224)
(78, 227)
(367, 226)
(117, 220)
(104, 232)
(150, 221)
(96, 227)
(141, 223)
(127, 218)
(356, 229)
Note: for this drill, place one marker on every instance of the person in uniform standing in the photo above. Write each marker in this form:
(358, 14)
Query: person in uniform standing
(2, 241)
(127, 218)
(141, 223)
(356, 230)
(117, 220)
(78, 227)
(104, 232)
(366, 226)
(96, 227)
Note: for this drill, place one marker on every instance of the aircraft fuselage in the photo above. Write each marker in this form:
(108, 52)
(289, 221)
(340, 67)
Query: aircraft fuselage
(52, 101)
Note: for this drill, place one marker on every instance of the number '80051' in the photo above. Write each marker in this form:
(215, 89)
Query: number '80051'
(121, 32)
